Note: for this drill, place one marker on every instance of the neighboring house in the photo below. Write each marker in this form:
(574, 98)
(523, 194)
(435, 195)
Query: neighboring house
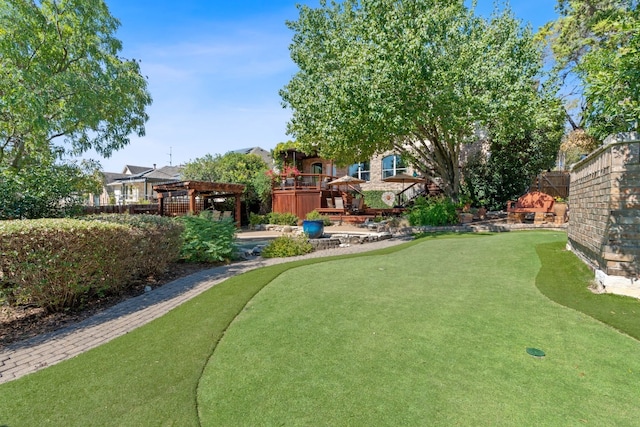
(134, 184)
(263, 154)
(107, 196)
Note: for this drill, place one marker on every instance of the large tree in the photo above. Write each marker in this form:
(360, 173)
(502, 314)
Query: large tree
(420, 77)
(63, 86)
(596, 55)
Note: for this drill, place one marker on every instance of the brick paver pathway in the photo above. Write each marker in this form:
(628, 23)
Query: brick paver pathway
(21, 358)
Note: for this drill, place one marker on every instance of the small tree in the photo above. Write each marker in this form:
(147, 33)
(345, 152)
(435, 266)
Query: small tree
(247, 169)
(47, 191)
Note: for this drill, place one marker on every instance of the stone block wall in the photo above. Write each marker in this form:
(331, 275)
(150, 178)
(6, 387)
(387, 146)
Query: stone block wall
(604, 226)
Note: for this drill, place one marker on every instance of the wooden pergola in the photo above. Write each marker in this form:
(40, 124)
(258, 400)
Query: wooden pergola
(197, 193)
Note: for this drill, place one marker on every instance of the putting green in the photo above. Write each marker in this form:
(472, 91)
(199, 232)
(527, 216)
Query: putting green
(434, 334)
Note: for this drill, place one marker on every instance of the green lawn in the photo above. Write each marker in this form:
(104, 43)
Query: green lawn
(430, 333)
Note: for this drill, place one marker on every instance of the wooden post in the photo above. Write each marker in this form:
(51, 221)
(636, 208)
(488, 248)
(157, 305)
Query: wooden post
(192, 201)
(238, 209)
(161, 204)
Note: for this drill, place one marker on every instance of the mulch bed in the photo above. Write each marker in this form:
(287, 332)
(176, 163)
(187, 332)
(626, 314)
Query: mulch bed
(23, 322)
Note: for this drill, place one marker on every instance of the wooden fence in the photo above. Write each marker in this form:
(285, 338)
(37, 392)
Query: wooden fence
(554, 183)
(146, 208)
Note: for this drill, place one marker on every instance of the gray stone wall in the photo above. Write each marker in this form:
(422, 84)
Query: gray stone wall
(604, 226)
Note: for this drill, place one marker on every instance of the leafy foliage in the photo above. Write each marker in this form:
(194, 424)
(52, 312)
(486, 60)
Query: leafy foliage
(317, 216)
(433, 211)
(247, 169)
(206, 239)
(47, 191)
(513, 163)
(282, 218)
(373, 199)
(596, 46)
(62, 76)
(59, 264)
(286, 246)
(420, 78)
(256, 219)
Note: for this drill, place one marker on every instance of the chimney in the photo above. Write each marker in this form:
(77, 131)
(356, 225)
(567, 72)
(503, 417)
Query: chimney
(154, 166)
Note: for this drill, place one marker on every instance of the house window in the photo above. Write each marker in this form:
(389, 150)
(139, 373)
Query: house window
(360, 170)
(393, 165)
(316, 168)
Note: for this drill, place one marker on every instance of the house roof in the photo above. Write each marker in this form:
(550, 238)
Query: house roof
(165, 172)
(110, 177)
(160, 175)
(135, 170)
(264, 154)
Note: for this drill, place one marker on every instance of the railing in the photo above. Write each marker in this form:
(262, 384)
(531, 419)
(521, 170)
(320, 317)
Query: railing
(303, 181)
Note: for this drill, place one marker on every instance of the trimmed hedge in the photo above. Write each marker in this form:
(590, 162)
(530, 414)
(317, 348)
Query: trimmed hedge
(59, 264)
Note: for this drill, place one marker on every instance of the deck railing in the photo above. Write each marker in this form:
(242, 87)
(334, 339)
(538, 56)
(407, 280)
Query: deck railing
(303, 181)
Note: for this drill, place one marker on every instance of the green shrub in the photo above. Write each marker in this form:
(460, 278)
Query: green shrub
(206, 239)
(317, 216)
(255, 219)
(282, 218)
(286, 246)
(373, 199)
(158, 240)
(59, 264)
(433, 211)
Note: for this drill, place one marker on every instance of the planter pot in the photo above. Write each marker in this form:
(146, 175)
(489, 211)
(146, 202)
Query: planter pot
(313, 228)
(560, 212)
(482, 213)
(465, 217)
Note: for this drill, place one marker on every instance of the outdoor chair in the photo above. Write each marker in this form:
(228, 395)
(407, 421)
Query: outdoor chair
(358, 205)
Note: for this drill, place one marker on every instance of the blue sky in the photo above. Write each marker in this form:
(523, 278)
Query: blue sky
(215, 68)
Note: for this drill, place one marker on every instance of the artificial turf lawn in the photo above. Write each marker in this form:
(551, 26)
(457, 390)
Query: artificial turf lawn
(433, 332)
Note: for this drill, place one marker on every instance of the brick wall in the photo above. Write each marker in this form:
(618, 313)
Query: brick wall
(604, 226)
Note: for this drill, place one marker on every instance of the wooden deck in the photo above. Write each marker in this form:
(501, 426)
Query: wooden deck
(309, 192)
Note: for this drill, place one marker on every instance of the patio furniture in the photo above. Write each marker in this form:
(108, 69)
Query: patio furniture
(536, 202)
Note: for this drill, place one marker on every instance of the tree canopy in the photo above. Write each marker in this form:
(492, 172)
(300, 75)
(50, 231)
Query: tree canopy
(247, 169)
(63, 86)
(421, 78)
(596, 53)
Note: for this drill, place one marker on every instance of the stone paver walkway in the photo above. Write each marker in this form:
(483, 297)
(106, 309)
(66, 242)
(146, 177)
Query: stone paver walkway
(22, 358)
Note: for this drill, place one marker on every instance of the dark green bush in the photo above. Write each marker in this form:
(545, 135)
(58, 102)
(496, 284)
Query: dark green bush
(256, 219)
(58, 264)
(433, 211)
(206, 239)
(286, 246)
(282, 218)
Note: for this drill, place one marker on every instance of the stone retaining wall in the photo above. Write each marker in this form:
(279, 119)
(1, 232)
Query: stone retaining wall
(604, 226)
